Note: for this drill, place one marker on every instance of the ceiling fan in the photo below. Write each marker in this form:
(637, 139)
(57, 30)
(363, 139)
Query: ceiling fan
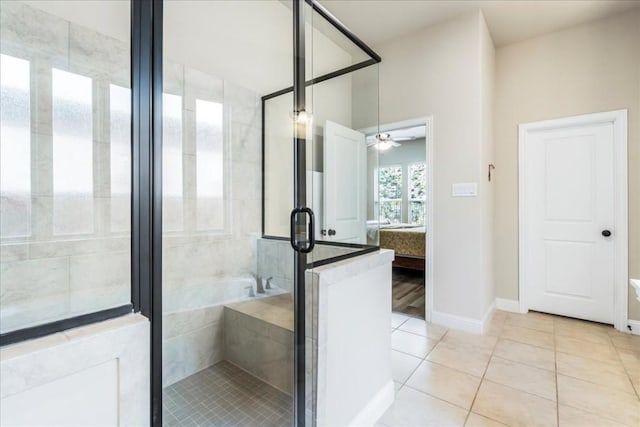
(384, 141)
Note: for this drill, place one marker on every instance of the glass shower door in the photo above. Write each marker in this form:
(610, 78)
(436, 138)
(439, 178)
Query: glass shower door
(227, 325)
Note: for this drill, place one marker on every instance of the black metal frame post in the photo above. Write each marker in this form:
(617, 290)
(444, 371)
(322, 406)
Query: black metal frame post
(156, 232)
(146, 248)
(300, 196)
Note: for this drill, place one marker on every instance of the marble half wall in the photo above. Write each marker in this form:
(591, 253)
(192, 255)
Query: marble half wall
(92, 375)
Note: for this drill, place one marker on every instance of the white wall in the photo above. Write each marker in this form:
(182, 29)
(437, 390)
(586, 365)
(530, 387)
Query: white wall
(94, 375)
(585, 69)
(487, 188)
(439, 71)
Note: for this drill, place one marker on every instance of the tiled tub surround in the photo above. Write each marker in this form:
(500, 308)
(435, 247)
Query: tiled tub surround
(71, 255)
(209, 246)
(258, 337)
(48, 276)
(275, 258)
(93, 375)
(193, 324)
(52, 280)
(204, 239)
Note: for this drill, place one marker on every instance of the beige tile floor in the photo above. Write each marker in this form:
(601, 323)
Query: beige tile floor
(528, 370)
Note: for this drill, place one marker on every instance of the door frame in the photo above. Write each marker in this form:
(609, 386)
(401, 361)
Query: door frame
(621, 246)
(428, 274)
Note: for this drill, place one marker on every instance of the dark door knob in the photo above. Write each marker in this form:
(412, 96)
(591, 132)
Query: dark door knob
(606, 233)
(332, 232)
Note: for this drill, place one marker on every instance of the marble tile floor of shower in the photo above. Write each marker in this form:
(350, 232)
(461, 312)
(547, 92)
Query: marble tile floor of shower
(225, 395)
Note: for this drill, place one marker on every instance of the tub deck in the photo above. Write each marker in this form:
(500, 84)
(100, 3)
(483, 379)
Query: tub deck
(276, 310)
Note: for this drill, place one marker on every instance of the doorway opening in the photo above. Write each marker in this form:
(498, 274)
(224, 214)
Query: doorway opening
(403, 182)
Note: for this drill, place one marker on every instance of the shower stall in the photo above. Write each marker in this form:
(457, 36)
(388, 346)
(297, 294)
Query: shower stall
(195, 161)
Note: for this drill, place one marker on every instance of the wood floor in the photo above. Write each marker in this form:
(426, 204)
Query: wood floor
(408, 292)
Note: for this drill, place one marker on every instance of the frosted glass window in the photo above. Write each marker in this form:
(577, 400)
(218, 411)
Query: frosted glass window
(72, 153)
(210, 166)
(172, 162)
(15, 147)
(120, 157)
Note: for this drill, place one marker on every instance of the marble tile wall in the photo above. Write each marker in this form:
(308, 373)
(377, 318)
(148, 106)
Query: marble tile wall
(54, 273)
(193, 254)
(208, 244)
(275, 258)
(192, 341)
(47, 276)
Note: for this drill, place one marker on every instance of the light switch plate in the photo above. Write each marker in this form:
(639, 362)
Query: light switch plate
(464, 189)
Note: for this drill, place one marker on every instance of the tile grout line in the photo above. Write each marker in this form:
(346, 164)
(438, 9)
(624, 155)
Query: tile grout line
(475, 396)
(617, 350)
(597, 414)
(423, 359)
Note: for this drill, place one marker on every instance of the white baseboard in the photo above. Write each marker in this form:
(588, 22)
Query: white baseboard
(635, 326)
(511, 305)
(488, 315)
(377, 406)
(463, 323)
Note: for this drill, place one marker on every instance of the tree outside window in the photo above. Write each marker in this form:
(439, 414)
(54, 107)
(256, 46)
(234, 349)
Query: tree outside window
(417, 193)
(390, 193)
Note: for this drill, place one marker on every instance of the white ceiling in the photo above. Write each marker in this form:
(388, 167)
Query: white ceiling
(376, 21)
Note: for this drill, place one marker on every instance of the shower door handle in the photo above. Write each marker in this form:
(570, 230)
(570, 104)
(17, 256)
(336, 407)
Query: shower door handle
(310, 230)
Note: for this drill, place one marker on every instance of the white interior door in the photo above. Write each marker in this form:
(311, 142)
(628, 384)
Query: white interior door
(567, 210)
(344, 189)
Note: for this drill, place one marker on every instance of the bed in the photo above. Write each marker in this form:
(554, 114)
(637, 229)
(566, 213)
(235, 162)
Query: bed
(408, 242)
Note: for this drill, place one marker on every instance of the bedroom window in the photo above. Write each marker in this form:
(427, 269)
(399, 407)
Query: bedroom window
(417, 192)
(390, 193)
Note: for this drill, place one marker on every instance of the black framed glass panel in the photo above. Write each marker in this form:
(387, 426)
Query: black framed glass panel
(227, 329)
(65, 163)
